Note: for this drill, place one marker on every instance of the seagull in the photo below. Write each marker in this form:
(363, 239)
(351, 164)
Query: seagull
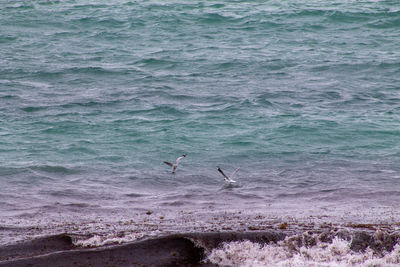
(226, 178)
(175, 165)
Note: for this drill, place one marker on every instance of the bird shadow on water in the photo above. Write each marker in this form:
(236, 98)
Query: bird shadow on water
(229, 186)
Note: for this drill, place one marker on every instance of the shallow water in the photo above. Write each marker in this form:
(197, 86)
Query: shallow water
(94, 95)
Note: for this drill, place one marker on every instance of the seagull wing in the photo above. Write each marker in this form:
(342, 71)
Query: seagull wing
(168, 163)
(223, 174)
(234, 173)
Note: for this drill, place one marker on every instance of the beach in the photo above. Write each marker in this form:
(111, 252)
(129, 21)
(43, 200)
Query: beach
(354, 245)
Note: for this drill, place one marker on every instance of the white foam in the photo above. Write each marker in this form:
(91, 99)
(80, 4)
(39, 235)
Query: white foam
(283, 254)
(98, 240)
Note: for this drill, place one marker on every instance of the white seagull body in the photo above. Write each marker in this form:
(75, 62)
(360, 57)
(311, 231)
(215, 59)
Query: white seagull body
(228, 178)
(175, 165)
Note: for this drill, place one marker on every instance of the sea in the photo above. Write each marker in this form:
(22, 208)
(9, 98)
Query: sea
(302, 96)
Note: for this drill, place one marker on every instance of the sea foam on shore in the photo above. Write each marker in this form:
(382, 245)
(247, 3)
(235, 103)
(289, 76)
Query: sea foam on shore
(286, 253)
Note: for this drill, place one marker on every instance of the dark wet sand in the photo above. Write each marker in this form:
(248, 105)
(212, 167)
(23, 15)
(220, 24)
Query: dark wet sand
(174, 250)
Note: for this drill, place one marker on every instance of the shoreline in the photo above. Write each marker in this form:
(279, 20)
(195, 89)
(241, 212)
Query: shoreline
(188, 248)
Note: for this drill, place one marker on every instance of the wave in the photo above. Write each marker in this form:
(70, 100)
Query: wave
(61, 109)
(384, 23)
(55, 169)
(23, 6)
(157, 63)
(216, 18)
(162, 109)
(7, 39)
(268, 248)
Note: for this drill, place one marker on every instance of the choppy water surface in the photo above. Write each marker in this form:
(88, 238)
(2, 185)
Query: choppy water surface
(304, 96)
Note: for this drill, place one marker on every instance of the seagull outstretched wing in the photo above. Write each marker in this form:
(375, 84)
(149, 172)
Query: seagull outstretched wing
(168, 163)
(223, 174)
(234, 173)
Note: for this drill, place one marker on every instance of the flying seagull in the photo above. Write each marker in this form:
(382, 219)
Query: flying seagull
(230, 178)
(175, 165)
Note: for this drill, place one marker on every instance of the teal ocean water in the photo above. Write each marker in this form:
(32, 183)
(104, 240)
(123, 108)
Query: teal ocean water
(303, 96)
